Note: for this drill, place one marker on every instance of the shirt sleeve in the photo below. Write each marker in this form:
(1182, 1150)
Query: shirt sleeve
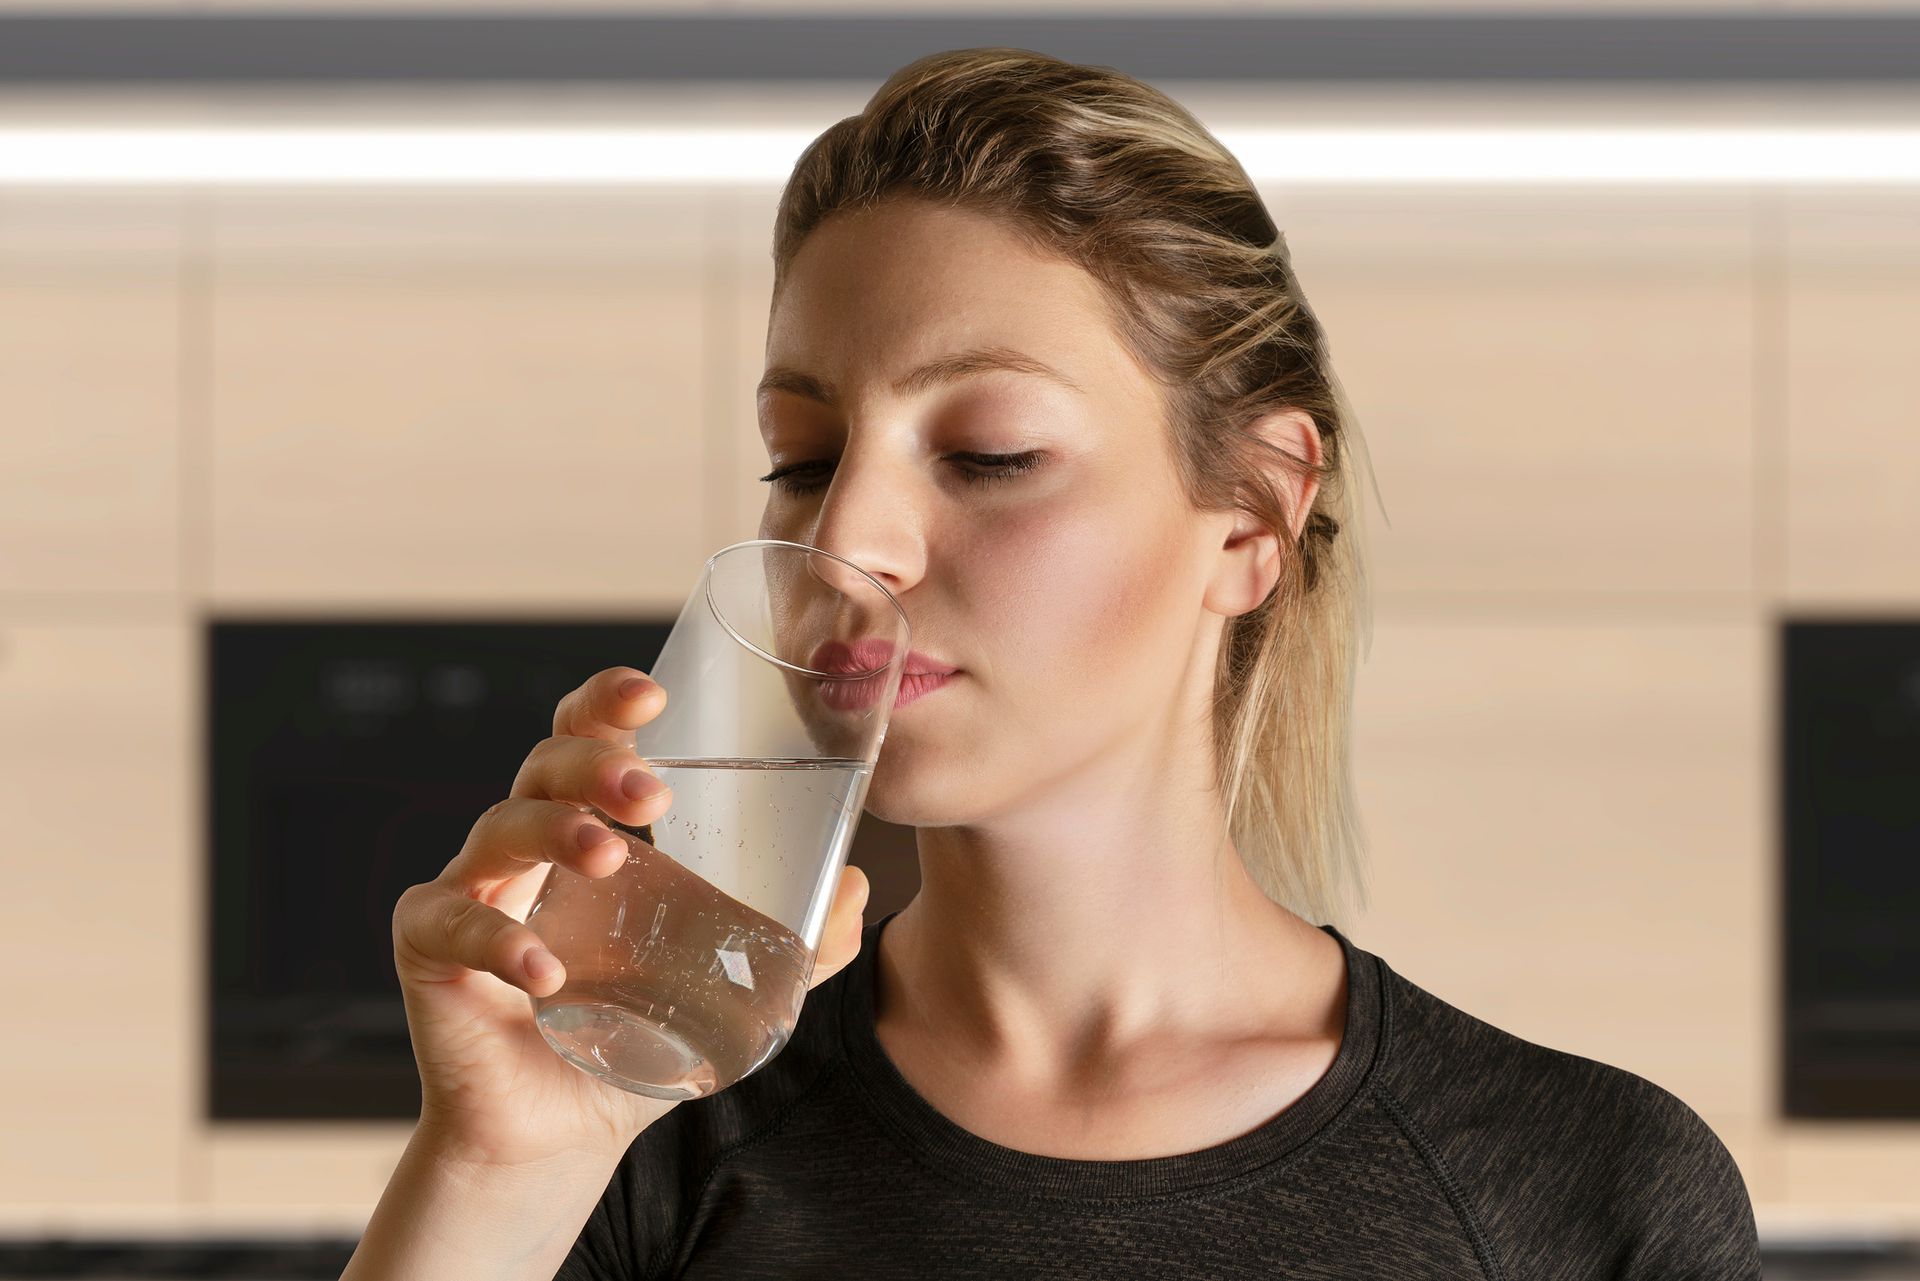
(1693, 1218)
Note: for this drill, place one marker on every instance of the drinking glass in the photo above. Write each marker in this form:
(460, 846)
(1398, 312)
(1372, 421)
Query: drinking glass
(687, 967)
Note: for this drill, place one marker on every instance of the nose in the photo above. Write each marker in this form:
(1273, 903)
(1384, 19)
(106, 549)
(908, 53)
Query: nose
(867, 517)
(842, 578)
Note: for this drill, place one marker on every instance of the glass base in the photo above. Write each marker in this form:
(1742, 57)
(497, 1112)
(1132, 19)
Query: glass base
(625, 1049)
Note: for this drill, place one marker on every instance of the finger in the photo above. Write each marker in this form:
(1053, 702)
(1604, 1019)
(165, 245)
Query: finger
(840, 940)
(603, 707)
(519, 834)
(592, 772)
(439, 935)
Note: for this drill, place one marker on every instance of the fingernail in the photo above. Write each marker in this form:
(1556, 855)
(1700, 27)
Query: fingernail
(591, 836)
(540, 963)
(634, 687)
(640, 785)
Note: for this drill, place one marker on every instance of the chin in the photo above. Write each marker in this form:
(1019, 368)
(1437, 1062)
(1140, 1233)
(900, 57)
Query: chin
(918, 788)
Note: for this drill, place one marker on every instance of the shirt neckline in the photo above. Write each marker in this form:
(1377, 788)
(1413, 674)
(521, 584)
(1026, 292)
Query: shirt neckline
(966, 1157)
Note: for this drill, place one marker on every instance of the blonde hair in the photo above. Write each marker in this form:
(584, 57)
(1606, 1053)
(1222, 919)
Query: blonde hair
(1114, 176)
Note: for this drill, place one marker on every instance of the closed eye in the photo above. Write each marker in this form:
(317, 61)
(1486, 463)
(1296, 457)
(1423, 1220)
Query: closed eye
(1000, 467)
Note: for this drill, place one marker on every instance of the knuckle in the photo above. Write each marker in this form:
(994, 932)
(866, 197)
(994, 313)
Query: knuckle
(403, 911)
(492, 816)
(537, 765)
(413, 918)
(486, 831)
(519, 824)
(469, 929)
(567, 710)
(491, 939)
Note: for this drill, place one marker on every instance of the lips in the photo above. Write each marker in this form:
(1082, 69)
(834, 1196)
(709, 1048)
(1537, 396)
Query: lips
(871, 654)
(922, 675)
(914, 686)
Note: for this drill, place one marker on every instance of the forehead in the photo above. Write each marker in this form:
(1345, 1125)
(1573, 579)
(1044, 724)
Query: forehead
(870, 294)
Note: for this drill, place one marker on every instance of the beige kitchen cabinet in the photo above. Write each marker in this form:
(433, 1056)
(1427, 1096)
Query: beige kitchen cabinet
(94, 479)
(1570, 836)
(746, 291)
(1843, 399)
(99, 772)
(455, 399)
(1555, 384)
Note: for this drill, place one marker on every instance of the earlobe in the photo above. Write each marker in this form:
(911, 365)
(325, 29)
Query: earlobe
(1249, 570)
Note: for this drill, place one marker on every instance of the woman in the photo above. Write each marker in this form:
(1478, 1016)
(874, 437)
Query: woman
(1037, 360)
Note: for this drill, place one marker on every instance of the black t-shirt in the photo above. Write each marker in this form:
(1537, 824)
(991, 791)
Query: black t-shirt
(1435, 1146)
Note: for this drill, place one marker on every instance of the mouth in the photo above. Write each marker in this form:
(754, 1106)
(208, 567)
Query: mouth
(916, 685)
(921, 676)
(836, 658)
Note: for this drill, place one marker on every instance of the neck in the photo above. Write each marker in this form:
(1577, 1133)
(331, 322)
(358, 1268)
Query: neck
(1110, 916)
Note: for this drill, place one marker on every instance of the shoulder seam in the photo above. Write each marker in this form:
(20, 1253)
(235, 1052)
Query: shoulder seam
(1443, 1174)
(657, 1265)
(1429, 1152)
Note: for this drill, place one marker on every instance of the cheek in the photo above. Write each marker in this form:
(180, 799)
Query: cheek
(1082, 600)
(1075, 612)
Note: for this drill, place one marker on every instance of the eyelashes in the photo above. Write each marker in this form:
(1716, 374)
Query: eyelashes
(1001, 467)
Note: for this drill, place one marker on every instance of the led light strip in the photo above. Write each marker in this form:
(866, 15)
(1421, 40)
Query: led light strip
(426, 156)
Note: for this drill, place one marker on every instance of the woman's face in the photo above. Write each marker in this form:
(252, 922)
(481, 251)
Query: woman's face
(1070, 595)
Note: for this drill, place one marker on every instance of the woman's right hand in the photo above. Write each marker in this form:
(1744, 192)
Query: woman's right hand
(493, 1092)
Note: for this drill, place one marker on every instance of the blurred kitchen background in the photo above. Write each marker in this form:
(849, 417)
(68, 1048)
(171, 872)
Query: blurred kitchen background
(370, 376)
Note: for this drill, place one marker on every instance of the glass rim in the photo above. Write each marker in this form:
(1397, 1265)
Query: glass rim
(707, 577)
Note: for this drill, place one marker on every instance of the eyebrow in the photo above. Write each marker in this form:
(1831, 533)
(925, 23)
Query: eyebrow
(945, 369)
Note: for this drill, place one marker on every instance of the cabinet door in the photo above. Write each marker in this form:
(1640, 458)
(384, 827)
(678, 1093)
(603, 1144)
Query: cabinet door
(90, 387)
(1850, 486)
(450, 397)
(747, 252)
(1556, 384)
(1592, 796)
(100, 1081)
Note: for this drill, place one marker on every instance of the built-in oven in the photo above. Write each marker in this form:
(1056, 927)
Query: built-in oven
(1850, 888)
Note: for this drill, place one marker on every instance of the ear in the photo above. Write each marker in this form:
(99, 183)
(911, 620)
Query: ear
(1251, 556)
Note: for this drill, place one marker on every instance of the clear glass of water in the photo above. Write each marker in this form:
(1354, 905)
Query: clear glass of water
(687, 967)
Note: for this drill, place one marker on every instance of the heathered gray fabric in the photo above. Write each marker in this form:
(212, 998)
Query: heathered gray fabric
(1435, 1146)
